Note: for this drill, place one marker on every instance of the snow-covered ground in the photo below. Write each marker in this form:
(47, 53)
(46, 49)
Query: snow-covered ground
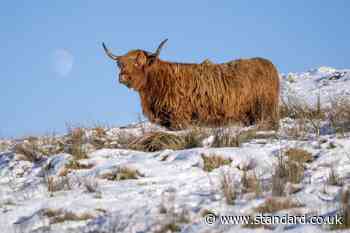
(172, 188)
(326, 82)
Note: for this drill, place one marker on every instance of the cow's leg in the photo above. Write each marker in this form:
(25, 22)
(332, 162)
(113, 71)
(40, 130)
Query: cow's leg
(269, 116)
(169, 120)
(165, 119)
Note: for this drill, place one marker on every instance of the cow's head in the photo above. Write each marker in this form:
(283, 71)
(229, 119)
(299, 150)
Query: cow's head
(134, 64)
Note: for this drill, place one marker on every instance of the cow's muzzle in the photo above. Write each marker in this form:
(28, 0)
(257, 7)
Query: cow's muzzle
(124, 79)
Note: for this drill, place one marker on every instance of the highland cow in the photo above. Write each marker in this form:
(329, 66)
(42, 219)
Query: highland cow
(177, 95)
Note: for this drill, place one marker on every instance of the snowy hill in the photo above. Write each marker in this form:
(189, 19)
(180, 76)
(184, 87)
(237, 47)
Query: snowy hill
(324, 81)
(113, 180)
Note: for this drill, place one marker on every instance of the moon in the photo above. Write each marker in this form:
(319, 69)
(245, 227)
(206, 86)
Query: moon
(62, 62)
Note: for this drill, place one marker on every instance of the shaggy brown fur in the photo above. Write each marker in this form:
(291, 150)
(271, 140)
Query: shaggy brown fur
(176, 95)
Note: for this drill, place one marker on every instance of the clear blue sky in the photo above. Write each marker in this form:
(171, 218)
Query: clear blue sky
(296, 35)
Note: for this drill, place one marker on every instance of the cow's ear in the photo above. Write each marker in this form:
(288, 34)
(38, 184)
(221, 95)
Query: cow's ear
(141, 59)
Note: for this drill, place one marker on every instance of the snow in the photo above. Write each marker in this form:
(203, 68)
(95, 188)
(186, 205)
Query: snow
(173, 183)
(326, 82)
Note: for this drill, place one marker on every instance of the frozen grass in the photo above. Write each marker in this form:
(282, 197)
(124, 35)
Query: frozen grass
(213, 161)
(251, 183)
(60, 215)
(286, 170)
(339, 115)
(76, 143)
(298, 155)
(28, 151)
(333, 178)
(76, 164)
(194, 137)
(122, 173)
(156, 141)
(228, 187)
(275, 204)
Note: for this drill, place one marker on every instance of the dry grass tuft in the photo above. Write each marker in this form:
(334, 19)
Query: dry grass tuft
(213, 161)
(169, 228)
(123, 140)
(28, 151)
(76, 143)
(156, 141)
(251, 183)
(76, 165)
(91, 185)
(224, 137)
(339, 114)
(275, 204)
(60, 216)
(99, 132)
(194, 137)
(228, 187)
(172, 218)
(99, 138)
(298, 155)
(286, 171)
(298, 109)
(123, 173)
(248, 135)
(33, 149)
(334, 179)
(344, 211)
(55, 184)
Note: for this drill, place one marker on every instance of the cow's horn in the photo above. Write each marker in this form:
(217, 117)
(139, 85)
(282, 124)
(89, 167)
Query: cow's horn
(109, 54)
(156, 54)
